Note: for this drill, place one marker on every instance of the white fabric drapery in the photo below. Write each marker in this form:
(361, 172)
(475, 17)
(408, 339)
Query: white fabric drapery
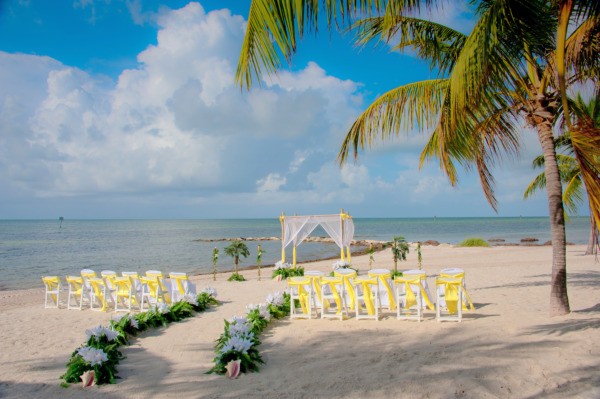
(295, 229)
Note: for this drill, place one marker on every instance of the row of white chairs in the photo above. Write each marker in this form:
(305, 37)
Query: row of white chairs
(367, 295)
(123, 293)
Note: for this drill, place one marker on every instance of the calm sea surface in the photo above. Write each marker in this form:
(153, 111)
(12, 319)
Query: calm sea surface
(32, 248)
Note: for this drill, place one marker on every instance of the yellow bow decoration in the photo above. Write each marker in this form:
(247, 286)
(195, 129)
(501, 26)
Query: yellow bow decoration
(348, 283)
(300, 282)
(384, 280)
(367, 293)
(179, 279)
(53, 284)
(411, 298)
(98, 286)
(451, 292)
(332, 282)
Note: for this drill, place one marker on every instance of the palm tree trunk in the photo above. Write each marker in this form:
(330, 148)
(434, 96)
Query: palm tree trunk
(237, 259)
(559, 300)
(592, 248)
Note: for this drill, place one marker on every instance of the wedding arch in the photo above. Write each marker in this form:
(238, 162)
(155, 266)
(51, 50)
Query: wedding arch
(295, 229)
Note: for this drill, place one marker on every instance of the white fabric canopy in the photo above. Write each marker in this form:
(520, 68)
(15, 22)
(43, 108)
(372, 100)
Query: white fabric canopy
(295, 229)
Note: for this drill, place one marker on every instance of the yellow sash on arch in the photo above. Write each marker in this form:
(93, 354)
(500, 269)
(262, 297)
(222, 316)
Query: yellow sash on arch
(411, 299)
(383, 277)
(451, 292)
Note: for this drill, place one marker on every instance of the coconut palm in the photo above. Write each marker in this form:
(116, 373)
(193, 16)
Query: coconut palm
(519, 58)
(400, 249)
(569, 168)
(236, 249)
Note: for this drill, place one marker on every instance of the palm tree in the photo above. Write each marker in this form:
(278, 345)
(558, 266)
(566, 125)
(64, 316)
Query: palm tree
(569, 168)
(400, 249)
(515, 64)
(236, 249)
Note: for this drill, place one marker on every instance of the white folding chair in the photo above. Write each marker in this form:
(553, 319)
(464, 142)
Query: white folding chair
(366, 292)
(52, 284)
(76, 292)
(333, 296)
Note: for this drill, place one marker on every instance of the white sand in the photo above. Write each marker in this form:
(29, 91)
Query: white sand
(508, 348)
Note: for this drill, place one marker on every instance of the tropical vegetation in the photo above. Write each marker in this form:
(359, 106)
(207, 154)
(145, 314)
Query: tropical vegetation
(236, 250)
(516, 65)
(400, 249)
(474, 242)
(569, 168)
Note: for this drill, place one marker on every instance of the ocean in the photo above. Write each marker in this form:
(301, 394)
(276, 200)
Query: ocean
(30, 249)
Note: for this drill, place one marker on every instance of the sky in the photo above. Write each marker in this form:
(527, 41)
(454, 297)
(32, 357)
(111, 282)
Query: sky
(129, 109)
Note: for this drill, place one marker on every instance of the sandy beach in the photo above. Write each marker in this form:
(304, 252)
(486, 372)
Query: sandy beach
(508, 348)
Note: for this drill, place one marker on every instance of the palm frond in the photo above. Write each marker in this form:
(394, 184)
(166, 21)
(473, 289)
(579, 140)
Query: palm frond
(436, 43)
(415, 104)
(276, 26)
(537, 184)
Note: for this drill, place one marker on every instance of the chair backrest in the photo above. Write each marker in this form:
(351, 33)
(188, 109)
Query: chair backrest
(179, 282)
(52, 283)
(122, 285)
(135, 279)
(75, 283)
(86, 274)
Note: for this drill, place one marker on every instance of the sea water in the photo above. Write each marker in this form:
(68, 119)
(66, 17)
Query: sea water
(30, 249)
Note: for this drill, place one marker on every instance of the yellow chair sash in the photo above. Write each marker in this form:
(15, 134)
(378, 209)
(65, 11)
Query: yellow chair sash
(52, 283)
(123, 288)
(152, 284)
(98, 286)
(299, 283)
(332, 282)
(411, 299)
(367, 293)
(455, 275)
(451, 290)
(75, 284)
(384, 280)
(316, 286)
(348, 283)
(158, 277)
(179, 279)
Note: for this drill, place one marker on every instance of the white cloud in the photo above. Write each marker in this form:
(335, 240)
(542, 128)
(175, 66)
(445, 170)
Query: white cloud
(176, 133)
(271, 183)
(176, 122)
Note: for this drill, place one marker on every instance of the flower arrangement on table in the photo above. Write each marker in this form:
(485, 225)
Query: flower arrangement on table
(341, 264)
(96, 361)
(236, 349)
(284, 270)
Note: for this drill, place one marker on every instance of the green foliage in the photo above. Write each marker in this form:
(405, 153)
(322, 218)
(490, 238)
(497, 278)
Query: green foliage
(395, 273)
(286, 272)
(236, 277)
(127, 326)
(474, 242)
(248, 330)
(399, 250)
(419, 256)
(236, 249)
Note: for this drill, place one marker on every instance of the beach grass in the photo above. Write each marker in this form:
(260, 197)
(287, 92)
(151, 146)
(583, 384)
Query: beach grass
(474, 242)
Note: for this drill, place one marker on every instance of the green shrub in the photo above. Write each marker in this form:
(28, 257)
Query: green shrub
(474, 242)
(236, 277)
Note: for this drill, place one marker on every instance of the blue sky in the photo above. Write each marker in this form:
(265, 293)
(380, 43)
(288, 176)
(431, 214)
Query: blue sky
(128, 109)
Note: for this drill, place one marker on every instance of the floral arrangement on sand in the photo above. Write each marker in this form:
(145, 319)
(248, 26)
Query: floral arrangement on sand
(283, 270)
(236, 349)
(95, 362)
